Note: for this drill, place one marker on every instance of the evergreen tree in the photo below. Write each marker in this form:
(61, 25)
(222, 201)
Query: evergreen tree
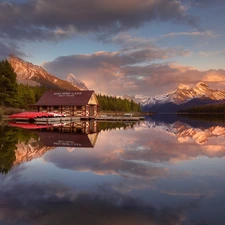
(110, 103)
(8, 84)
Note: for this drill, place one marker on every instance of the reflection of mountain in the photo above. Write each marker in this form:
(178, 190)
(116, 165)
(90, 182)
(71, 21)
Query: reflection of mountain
(27, 151)
(185, 132)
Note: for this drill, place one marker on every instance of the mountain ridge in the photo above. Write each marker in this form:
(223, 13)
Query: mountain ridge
(28, 73)
(184, 96)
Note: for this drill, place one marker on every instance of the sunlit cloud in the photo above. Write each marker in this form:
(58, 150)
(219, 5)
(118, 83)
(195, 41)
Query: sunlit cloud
(125, 70)
(210, 34)
(208, 54)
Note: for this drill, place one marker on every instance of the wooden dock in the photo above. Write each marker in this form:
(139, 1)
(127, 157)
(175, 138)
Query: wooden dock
(56, 119)
(67, 119)
(119, 118)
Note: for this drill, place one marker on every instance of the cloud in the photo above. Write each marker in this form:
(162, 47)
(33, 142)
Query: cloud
(133, 70)
(7, 48)
(65, 18)
(208, 54)
(120, 71)
(208, 33)
(205, 3)
(137, 68)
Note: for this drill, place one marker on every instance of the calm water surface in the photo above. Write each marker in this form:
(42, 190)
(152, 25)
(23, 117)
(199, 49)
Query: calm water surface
(159, 171)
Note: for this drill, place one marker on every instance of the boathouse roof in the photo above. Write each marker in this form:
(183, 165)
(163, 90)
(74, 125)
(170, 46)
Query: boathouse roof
(68, 98)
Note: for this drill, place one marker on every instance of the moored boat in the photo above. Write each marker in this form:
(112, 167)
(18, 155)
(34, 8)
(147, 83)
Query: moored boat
(34, 116)
(29, 126)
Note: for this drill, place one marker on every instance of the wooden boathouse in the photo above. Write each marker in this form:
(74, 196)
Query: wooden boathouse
(70, 103)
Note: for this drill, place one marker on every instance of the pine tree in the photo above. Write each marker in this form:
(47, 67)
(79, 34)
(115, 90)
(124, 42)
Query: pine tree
(8, 84)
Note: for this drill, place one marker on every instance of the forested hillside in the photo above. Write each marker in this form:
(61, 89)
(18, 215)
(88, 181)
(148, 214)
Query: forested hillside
(13, 94)
(206, 109)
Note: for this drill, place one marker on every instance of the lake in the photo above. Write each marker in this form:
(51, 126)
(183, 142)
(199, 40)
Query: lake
(164, 170)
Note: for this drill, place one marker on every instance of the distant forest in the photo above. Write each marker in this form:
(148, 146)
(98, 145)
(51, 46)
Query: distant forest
(109, 103)
(205, 109)
(21, 96)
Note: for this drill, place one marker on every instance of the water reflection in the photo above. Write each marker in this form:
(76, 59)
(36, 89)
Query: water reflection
(34, 140)
(159, 171)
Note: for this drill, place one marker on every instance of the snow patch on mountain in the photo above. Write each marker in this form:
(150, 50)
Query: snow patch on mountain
(71, 78)
(183, 86)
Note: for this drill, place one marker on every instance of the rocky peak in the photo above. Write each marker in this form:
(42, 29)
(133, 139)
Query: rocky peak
(201, 85)
(15, 60)
(13, 56)
(71, 78)
(183, 87)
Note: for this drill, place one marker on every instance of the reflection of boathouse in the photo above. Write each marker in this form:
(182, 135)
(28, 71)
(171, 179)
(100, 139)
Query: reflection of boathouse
(70, 103)
(82, 134)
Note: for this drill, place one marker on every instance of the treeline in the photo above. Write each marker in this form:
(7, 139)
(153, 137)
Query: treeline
(21, 96)
(205, 109)
(13, 94)
(109, 103)
(105, 126)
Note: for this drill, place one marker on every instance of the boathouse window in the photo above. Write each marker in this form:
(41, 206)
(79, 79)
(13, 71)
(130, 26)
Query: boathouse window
(66, 107)
(55, 107)
(79, 107)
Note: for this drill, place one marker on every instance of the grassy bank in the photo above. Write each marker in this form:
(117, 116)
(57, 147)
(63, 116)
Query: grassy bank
(6, 111)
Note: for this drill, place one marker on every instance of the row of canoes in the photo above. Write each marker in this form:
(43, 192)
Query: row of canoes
(36, 116)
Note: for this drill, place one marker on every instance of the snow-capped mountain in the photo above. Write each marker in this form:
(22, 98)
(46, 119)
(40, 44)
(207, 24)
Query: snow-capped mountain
(184, 94)
(139, 99)
(71, 78)
(27, 73)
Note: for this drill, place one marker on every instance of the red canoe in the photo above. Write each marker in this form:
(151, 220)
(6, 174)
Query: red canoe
(30, 115)
(29, 126)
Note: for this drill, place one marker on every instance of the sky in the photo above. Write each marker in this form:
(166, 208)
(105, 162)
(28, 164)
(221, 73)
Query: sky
(120, 47)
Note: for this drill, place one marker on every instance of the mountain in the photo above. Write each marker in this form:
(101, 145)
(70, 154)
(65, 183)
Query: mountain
(139, 99)
(71, 78)
(30, 74)
(183, 97)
